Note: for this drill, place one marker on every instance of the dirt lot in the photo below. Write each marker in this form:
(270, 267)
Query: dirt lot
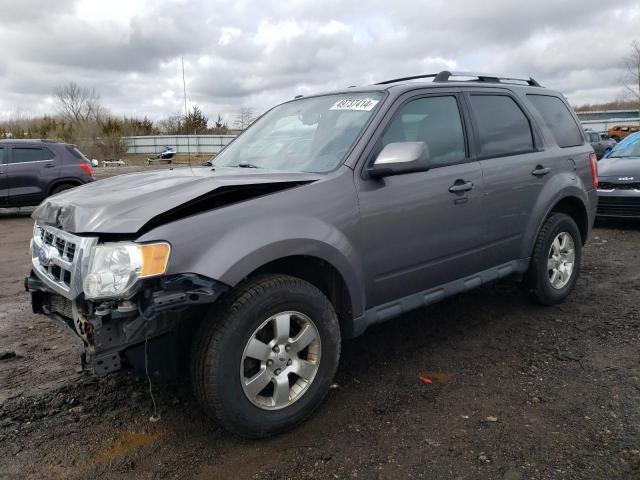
(519, 391)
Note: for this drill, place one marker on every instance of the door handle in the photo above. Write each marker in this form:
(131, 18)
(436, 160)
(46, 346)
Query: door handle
(540, 171)
(460, 186)
(49, 165)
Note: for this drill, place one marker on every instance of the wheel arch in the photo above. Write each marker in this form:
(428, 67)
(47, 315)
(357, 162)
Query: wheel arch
(572, 205)
(321, 274)
(63, 181)
(576, 209)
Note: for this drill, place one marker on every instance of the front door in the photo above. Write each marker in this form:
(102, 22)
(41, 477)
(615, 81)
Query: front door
(422, 229)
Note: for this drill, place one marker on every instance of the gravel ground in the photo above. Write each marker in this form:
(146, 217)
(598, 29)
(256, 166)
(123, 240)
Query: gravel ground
(517, 391)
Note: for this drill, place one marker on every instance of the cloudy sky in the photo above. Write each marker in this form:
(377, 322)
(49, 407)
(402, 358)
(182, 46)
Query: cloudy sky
(258, 53)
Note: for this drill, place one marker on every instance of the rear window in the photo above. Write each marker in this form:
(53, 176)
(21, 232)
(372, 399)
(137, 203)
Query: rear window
(558, 118)
(502, 126)
(76, 153)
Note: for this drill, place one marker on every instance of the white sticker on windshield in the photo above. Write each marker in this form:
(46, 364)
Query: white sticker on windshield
(359, 104)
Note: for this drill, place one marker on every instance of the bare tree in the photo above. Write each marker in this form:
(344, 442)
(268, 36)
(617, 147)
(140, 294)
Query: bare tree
(170, 125)
(78, 104)
(632, 80)
(244, 118)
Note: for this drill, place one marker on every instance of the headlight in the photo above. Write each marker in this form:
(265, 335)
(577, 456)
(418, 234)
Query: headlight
(115, 268)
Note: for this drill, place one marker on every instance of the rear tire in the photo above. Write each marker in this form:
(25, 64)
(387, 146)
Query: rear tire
(555, 263)
(225, 366)
(61, 188)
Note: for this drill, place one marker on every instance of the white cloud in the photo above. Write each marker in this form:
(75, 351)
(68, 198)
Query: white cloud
(260, 53)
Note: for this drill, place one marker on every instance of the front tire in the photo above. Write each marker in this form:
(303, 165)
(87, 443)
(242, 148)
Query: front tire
(555, 263)
(265, 358)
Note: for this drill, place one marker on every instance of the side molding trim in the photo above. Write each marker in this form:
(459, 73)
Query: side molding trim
(395, 308)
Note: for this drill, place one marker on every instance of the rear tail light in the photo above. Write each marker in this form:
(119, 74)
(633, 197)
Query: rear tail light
(593, 161)
(87, 168)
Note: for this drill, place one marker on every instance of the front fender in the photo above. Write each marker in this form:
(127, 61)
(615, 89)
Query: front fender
(235, 253)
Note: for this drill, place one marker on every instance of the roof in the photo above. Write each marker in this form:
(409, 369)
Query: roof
(443, 79)
(29, 140)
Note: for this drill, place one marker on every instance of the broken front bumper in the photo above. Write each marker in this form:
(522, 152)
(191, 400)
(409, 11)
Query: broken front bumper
(109, 328)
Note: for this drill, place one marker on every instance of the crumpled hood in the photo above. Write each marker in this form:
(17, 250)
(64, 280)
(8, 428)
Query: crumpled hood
(125, 203)
(615, 168)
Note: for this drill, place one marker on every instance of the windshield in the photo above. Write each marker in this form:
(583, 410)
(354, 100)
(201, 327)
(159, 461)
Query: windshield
(629, 147)
(306, 135)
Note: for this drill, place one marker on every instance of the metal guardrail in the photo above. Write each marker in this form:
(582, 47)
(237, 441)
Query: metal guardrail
(194, 144)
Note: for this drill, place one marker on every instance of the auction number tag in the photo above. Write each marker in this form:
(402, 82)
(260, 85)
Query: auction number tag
(358, 104)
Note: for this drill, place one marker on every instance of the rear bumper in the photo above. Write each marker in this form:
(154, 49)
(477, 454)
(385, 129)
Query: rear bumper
(619, 203)
(108, 329)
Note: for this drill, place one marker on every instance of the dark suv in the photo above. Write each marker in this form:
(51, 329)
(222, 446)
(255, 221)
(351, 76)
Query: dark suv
(331, 213)
(31, 170)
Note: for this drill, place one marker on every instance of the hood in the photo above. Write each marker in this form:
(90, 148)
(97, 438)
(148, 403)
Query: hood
(127, 204)
(616, 168)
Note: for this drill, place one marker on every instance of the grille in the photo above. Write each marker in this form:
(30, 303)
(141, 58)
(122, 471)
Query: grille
(619, 207)
(618, 186)
(61, 253)
(66, 249)
(58, 257)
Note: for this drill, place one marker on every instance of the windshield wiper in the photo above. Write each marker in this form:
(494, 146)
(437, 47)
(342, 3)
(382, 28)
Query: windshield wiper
(247, 165)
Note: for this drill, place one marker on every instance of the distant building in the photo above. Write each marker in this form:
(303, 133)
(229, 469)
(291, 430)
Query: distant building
(609, 115)
(600, 121)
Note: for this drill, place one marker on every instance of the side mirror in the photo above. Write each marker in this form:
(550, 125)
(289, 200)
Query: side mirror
(401, 157)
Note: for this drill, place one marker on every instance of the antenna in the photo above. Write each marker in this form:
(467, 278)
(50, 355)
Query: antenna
(186, 112)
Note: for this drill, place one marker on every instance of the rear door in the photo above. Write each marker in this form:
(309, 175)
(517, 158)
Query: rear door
(4, 184)
(30, 170)
(518, 160)
(514, 166)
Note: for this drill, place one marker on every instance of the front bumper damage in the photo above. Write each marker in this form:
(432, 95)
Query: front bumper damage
(109, 329)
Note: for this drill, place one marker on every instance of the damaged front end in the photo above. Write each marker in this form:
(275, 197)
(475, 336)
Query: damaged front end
(158, 309)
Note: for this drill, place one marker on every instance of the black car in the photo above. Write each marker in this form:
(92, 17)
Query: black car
(619, 180)
(600, 145)
(32, 170)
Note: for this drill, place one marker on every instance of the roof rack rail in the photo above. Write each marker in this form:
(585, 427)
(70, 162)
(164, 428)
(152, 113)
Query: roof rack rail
(445, 75)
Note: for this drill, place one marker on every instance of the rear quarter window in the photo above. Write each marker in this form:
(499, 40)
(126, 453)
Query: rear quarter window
(76, 153)
(558, 118)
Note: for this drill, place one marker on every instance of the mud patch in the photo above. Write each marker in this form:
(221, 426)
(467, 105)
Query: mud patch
(127, 443)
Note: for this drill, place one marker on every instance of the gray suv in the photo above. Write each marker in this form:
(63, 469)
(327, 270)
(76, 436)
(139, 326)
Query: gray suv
(31, 170)
(330, 214)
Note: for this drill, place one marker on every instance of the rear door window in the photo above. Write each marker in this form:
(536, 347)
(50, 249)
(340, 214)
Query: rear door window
(26, 154)
(558, 118)
(2, 156)
(503, 128)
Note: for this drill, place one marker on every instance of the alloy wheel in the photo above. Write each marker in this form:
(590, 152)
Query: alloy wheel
(280, 360)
